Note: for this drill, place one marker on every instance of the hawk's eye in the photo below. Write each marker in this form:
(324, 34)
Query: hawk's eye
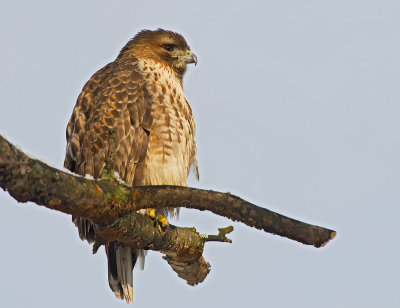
(169, 47)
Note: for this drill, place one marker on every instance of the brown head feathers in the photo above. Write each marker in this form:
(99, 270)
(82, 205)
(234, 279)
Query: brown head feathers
(159, 45)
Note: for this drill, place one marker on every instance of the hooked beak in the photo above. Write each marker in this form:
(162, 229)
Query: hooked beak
(190, 57)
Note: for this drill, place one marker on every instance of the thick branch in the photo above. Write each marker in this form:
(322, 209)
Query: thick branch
(104, 202)
(28, 179)
(183, 246)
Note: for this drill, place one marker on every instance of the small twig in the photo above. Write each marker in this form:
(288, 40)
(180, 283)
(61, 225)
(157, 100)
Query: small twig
(221, 237)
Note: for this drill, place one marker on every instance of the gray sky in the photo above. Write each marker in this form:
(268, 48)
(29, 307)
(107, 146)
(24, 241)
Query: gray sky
(297, 107)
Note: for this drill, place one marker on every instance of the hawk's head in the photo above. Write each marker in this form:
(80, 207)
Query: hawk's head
(160, 45)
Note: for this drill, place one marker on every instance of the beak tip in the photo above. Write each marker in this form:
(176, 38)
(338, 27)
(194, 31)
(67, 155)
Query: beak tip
(190, 58)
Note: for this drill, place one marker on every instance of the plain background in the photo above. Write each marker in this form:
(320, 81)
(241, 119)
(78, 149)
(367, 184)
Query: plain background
(297, 106)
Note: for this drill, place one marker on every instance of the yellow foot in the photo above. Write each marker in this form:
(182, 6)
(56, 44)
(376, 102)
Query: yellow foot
(161, 221)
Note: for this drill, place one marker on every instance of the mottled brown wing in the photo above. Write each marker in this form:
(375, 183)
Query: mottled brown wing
(112, 116)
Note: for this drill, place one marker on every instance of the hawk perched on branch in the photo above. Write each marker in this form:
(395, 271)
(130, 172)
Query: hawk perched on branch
(138, 99)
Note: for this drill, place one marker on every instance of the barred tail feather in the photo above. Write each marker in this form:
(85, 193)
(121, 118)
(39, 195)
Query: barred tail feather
(121, 261)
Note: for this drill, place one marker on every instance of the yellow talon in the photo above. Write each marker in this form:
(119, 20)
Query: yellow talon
(163, 221)
(152, 213)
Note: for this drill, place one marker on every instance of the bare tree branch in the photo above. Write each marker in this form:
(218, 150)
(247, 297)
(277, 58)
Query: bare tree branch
(113, 205)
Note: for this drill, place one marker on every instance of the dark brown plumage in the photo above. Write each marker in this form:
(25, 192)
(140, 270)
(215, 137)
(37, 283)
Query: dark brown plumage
(135, 109)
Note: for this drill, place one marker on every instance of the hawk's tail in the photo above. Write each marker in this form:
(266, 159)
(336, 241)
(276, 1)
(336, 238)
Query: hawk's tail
(121, 261)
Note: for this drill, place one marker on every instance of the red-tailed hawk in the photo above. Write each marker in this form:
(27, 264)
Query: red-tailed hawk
(139, 99)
